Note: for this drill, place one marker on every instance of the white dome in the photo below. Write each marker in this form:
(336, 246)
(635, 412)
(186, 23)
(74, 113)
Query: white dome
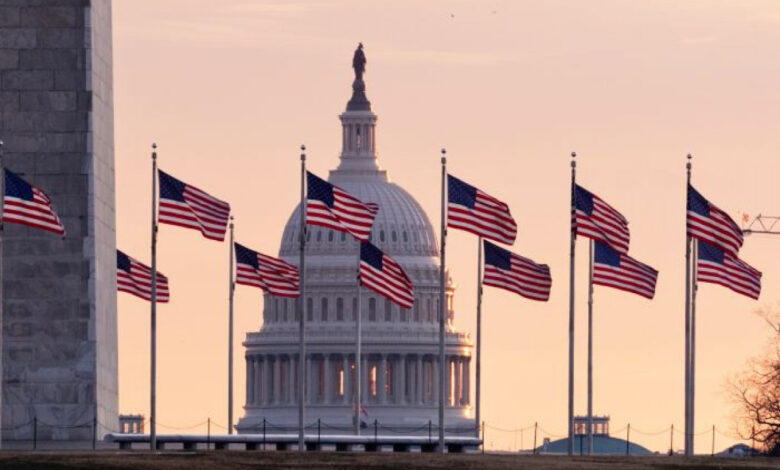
(400, 347)
(401, 227)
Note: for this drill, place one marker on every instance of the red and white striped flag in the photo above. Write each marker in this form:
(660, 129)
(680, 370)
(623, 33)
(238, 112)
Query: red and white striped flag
(27, 205)
(594, 218)
(619, 271)
(717, 266)
(472, 210)
(135, 278)
(273, 275)
(707, 222)
(383, 275)
(188, 206)
(329, 206)
(515, 273)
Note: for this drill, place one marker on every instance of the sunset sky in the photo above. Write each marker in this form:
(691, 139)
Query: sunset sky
(230, 89)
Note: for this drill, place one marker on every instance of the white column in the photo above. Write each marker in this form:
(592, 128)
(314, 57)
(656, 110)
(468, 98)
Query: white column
(309, 391)
(276, 380)
(466, 381)
(347, 383)
(365, 379)
(448, 381)
(434, 380)
(327, 397)
(261, 385)
(291, 396)
(458, 382)
(269, 383)
(250, 380)
(418, 384)
(259, 394)
(400, 396)
(382, 379)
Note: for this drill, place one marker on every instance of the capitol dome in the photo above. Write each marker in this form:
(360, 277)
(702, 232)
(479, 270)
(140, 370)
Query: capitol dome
(400, 360)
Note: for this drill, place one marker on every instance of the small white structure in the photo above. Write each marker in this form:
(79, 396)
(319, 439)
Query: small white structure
(400, 359)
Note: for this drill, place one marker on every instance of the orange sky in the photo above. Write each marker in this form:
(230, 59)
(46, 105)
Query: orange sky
(230, 89)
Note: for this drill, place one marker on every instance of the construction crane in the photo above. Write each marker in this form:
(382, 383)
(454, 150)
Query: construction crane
(761, 224)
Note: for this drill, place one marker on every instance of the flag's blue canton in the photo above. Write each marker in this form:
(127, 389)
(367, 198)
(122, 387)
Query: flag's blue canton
(498, 257)
(697, 203)
(606, 255)
(319, 189)
(583, 200)
(371, 255)
(122, 261)
(708, 252)
(17, 187)
(171, 188)
(461, 193)
(246, 256)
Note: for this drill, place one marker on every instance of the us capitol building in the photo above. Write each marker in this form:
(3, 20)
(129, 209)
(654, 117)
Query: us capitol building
(400, 359)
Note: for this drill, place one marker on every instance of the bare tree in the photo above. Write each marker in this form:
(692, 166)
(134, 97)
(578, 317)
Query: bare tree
(756, 391)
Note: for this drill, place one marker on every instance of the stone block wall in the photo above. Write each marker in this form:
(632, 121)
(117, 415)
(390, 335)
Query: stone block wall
(59, 340)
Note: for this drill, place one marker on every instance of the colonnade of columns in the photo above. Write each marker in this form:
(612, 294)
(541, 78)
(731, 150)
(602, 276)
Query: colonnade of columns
(388, 379)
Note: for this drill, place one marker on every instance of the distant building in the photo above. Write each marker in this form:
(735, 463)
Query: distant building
(131, 424)
(603, 443)
(400, 355)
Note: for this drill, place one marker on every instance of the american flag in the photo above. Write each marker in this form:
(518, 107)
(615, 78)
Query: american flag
(27, 205)
(710, 224)
(594, 218)
(332, 207)
(136, 278)
(383, 275)
(719, 266)
(613, 269)
(273, 275)
(515, 273)
(474, 211)
(188, 206)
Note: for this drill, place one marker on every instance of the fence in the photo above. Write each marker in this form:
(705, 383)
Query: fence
(536, 433)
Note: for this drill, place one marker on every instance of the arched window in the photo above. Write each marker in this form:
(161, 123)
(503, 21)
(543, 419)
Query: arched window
(308, 235)
(324, 308)
(406, 236)
(339, 309)
(330, 235)
(394, 236)
(381, 235)
(372, 309)
(309, 309)
(404, 314)
(319, 236)
(343, 236)
(388, 310)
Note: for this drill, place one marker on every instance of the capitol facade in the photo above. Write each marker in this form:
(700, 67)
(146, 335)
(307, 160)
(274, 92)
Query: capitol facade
(400, 347)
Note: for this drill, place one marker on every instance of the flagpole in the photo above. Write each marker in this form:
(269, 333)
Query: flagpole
(479, 338)
(231, 291)
(590, 348)
(694, 288)
(572, 245)
(442, 299)
(687, 323)
(153, 332)
(358, 353)
(302, 312)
